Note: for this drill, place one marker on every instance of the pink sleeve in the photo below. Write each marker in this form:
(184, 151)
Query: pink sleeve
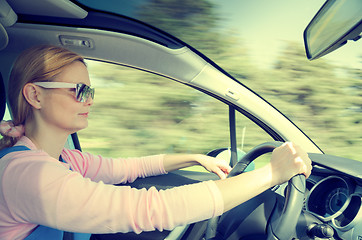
(47, 193)
(117, 170)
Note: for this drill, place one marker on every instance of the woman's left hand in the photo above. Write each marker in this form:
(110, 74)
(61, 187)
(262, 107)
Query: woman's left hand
(214, 165)
(177, 161)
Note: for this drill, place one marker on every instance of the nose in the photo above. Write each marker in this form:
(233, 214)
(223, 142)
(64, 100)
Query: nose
(89, 101)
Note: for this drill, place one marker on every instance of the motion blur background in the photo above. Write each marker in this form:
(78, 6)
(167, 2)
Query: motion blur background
(260, 43)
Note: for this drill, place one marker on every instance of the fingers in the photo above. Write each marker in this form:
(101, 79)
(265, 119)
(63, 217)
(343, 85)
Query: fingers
(301, 160)
(220, 173)
(217, 166)
(220, 168)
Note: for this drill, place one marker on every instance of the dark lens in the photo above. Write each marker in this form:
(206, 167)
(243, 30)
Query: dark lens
(83, 92)
(81, 89)
(92, 92)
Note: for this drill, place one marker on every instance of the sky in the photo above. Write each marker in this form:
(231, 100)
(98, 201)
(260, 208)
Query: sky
(264, 23)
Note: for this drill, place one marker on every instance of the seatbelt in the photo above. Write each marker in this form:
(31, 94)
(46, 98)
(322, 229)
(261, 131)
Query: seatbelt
(5, 151)
(43, 232)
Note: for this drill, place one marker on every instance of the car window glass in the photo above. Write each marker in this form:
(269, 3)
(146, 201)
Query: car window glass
(7, 115)
(323, 97)
(136, 113)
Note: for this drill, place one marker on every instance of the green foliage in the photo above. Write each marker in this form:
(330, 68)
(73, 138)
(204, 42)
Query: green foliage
(181, 18)
(324, 103)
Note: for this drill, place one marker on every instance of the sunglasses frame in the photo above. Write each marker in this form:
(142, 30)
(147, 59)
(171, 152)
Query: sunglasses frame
(80, 88)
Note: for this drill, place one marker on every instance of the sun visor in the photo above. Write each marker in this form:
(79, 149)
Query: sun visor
(7, 18)
(50, 8)
(7, 15)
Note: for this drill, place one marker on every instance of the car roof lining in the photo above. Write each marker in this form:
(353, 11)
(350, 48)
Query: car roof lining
(136, 52)
(110, 22)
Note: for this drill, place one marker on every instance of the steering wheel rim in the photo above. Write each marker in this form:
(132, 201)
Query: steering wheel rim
(282, 222)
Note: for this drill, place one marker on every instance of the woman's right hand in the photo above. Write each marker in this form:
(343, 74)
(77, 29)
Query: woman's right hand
(287, 161)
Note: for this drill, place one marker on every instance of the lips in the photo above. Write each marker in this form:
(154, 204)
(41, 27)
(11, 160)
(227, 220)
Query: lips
(84, 114)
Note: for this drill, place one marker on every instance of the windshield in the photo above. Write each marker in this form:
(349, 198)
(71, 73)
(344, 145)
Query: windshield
(260, 43)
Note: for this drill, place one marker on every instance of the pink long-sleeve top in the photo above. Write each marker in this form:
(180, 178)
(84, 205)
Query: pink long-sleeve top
(37, 189)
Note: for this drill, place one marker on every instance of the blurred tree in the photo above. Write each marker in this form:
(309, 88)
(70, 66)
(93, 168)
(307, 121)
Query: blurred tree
(309, 93)
(188, 20)
(297, 79)
(196, 23)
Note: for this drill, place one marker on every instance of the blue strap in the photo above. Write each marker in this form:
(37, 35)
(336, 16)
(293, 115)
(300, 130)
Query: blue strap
(5, 151)
(47, 233)
(43, 232)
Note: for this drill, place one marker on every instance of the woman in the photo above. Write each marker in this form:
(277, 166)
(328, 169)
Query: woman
(47, 185)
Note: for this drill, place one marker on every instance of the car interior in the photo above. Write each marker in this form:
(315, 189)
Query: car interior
(325, 206)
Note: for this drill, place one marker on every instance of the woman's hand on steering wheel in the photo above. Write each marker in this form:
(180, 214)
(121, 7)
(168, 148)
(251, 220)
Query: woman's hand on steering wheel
(287, 161)
(214, 165)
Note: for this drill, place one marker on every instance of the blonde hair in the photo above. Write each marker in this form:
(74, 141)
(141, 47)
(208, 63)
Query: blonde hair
(36, 64)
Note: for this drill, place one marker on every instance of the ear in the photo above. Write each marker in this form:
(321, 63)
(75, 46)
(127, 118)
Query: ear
(32, 95)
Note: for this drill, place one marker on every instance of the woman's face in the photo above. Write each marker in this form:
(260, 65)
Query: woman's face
(60, 108)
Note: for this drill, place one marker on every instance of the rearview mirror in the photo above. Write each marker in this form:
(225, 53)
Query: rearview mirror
(335, 23)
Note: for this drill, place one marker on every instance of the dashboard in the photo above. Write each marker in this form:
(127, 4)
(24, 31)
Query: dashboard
(333, 198)
(336, 199)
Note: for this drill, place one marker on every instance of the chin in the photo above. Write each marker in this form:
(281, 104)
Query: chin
(79, 127)
(83, 126)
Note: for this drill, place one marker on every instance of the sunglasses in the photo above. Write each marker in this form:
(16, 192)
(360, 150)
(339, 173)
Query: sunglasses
(82, 91)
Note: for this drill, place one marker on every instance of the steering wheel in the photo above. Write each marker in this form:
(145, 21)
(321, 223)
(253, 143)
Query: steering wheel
(282, 223)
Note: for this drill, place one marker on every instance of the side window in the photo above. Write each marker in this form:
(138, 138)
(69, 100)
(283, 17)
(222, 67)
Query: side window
(249, 135)
(7, 115)
(136, 113)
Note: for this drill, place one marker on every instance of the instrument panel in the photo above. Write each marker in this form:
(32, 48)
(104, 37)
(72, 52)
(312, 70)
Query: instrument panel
(336, 201)
(328, 197)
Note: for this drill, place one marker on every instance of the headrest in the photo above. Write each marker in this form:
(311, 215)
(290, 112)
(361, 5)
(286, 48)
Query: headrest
(4, 39)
